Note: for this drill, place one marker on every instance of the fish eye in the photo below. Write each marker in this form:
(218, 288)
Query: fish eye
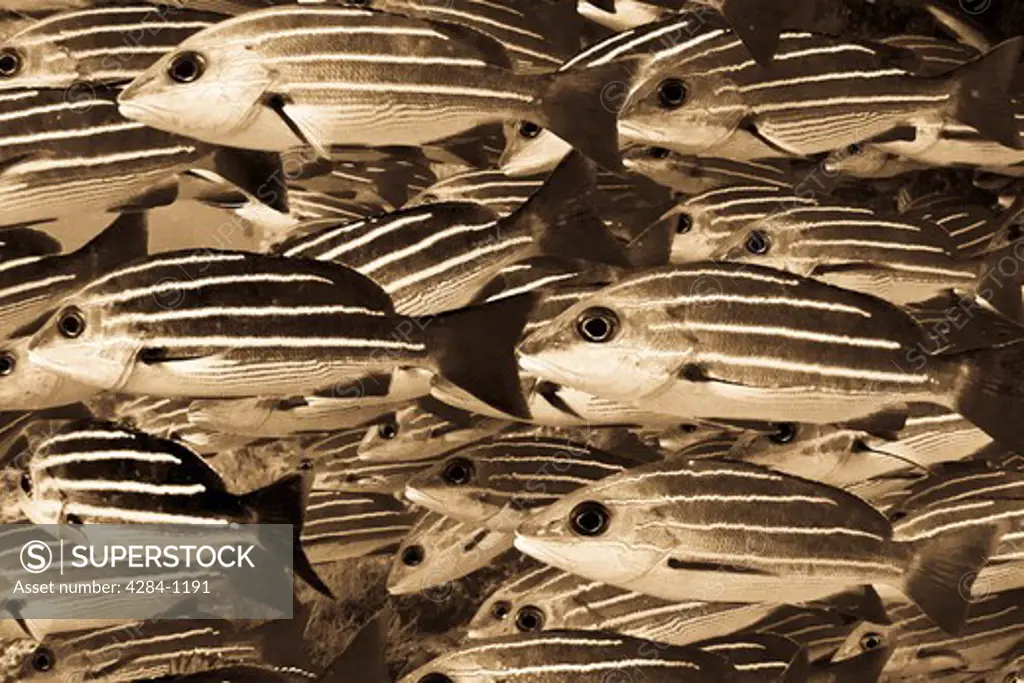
(757, 243)
(529, 619)
(658, 152)
(688, 428)
(413, 555)
(672, 93)
(854, 149)
(684, 224)
(10, 62)
(501, 609)
(871, 641)
(597, 325)
(589, 519)
(26, 483)
(387, 430)
(435, 677)
(43, 659)
(529, 130)
(784, 433)
(897, 515)
(358, 3)
(457, 472)
(186, 67)
(72, 518)
(7, 364)
(71, 323)
(306, 465)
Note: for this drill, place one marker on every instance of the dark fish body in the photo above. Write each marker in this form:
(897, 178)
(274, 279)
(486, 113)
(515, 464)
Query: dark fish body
(439, 551)
(500, 482)
(495, 190)
(101, 472)
(208, 324)
(300, 85)
(415, 433)
(99, 44)
(343, 525)
(68, 152)
(971, 223)
(681, 528)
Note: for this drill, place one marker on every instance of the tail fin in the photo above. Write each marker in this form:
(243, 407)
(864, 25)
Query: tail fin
(982, 93)
(560, 218)
(474, 349)
(942, 570)
(124, 240)
(284, 502)
(988, 391)
(258, 173)
(751, 653)
(581, 106)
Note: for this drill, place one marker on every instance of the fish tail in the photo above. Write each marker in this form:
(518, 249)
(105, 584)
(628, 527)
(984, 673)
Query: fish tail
(581, 107)
(284, 502)
(474, 349)
(942, 569)
(561, 220)
(988, 391)
(982, 93)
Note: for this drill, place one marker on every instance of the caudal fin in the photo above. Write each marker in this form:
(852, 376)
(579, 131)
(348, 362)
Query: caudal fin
(943, 569)
(581, 106)
(982, 93)
(561, 220)
(284, 502)
(474, 349)
(989, 392)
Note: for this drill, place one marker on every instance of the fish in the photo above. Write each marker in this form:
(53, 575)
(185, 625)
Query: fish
(417, 433)
(27, 386)
(297, 88)
(708, 351)
(32, 286)
(530, 149)
(538, 36)
(709, 99)
(341, 525)
(584, 656)
(99, 45)
(340, 408)
(970, 220)
(502, 481)
(690, 175)
(491, 188)
(65, 481)
(166, 647)
(935, 56)
(761, 656)
(549, 599)
(218, 324)
(167, 418)
(827, 634)
(440, 550)
(671, 529)
(438, 257)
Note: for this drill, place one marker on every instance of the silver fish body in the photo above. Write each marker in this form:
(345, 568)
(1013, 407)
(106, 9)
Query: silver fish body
(342, 525)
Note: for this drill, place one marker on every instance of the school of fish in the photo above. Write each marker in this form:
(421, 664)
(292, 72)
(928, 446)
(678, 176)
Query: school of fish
(696, 327)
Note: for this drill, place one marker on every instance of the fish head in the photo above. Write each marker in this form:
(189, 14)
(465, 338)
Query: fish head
(27, 660)
(25, 385)
(396, 437)
(615, 343)
(459, 486)
(25, 62)
(698, 232)
(596, 532)
(530, 149)
(861, 161)
(866, 636)
(76, 343)
(507, 613)
(214, 88)
(687, 112)
(682, 173)
(817, 452)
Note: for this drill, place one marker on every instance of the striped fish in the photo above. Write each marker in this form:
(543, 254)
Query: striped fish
(25, 385)
(145, 650)
(343, 407)
(102, 472)
(971, 221)
(530, 149)
(538, 36)
(296, 85)
(69, 152)
(417, 433)
(935, 56)
(342, 525)
(491, 188)
(583, 657)
(741, 342)
(500, 482)
(694, 175)
(167, 418)
(827, 634)
(438, 257)
(676, 528)
(439, 551)
(546, 599)
(32, 286)
(98, 45)
(708, 98)
(390, 477)
(212, 324)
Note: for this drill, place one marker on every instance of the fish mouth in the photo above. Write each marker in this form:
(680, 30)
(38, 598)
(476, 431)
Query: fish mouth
(544, 370)
(536, 548)
(421, 498)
